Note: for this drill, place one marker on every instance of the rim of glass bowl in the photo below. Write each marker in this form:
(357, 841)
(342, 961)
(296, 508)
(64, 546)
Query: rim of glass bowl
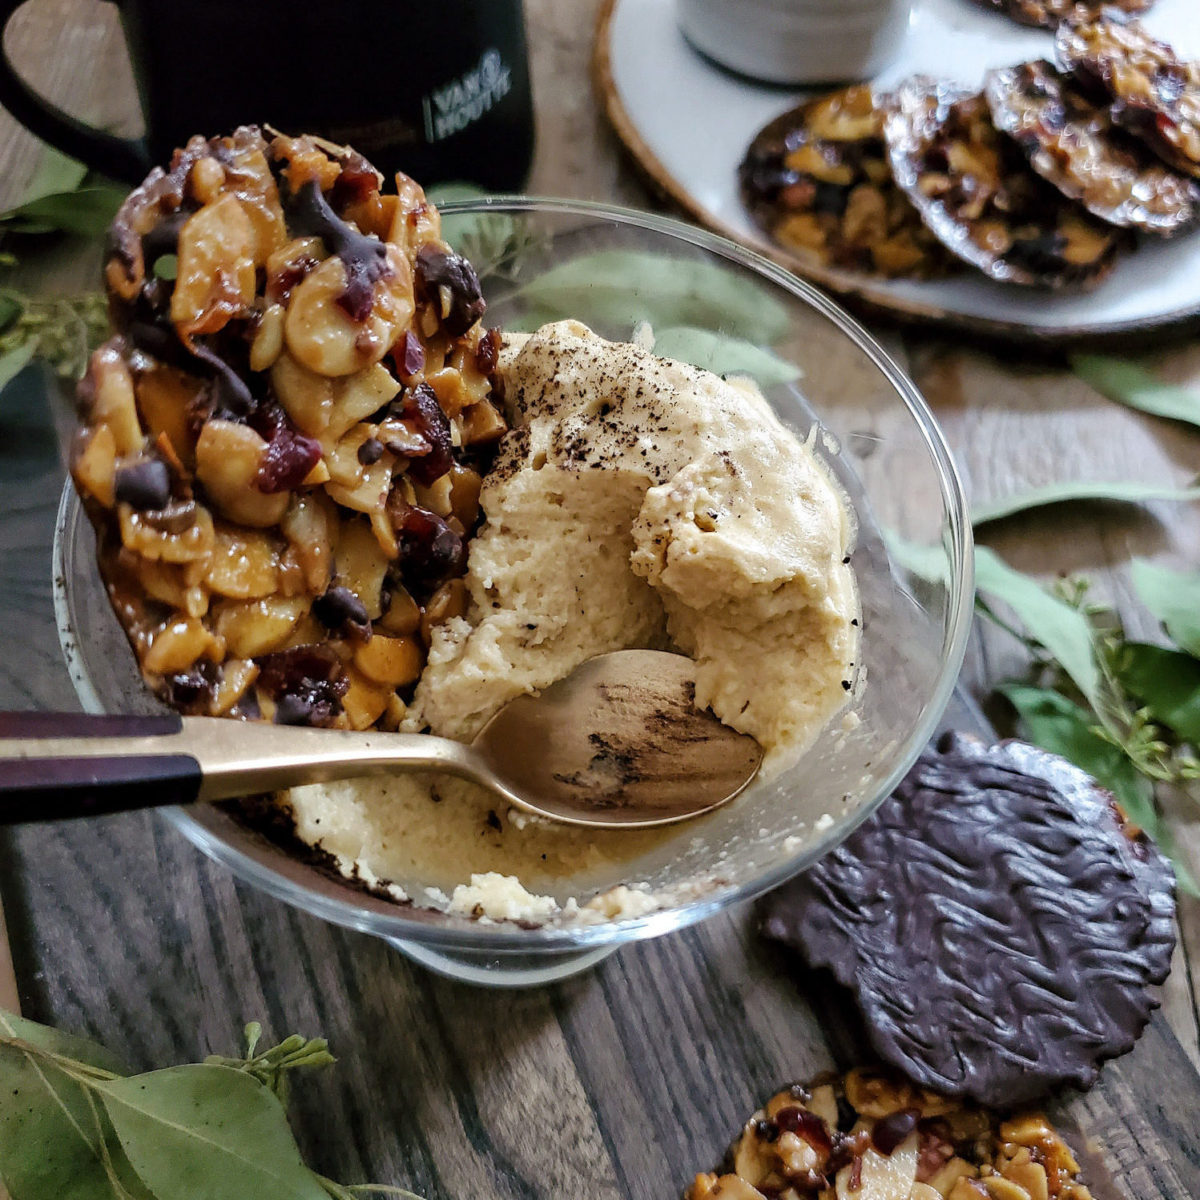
(503, 937)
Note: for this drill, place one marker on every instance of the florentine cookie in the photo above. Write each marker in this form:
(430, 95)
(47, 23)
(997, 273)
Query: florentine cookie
(975, 191)
(1154, 93)
(1050, 13)
(998, 921)
(1074, 144)
(817, 180)
(282, 447)
(873, 1134)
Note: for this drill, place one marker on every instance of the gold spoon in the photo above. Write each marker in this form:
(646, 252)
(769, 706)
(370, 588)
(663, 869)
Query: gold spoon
(619, 742)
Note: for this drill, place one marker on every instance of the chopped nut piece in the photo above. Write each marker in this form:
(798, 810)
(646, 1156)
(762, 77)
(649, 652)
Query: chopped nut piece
(395, 661)
(216, 268)
(817, 1142)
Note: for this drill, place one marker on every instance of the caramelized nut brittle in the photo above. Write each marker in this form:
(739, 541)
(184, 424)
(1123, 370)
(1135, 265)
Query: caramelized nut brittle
(975, 191)
(873, 1135)
(1154, 93)
(282, 446)
(1075, 145)
(817, 180)
(1050, 13)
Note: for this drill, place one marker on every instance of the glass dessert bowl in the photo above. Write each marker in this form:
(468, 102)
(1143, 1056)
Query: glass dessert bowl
(705, 300)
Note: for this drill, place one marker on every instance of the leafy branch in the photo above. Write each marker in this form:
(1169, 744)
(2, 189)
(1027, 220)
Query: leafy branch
(1125, 711)
(62, 199)
(73, 1123)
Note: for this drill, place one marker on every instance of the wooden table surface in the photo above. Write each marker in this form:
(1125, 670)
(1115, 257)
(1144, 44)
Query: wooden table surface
(619, 1083)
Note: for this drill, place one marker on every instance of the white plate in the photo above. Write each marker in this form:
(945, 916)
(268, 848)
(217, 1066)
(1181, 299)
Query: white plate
(689, 122)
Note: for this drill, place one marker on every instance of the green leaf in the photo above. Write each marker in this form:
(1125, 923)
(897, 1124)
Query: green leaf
(55, 1041)
(1130, 384)
(88, 211)
(1064, 631)
(1167, 684)
(50, 1135)
(723, 355)
(203, 1132)
(1059, 725)
(10, 309)
(14, 362)
(615, 289)
(1060, 493)
(55, 173)
(1174, 598)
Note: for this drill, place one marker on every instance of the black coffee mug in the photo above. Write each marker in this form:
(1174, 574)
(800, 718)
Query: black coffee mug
(438, 90)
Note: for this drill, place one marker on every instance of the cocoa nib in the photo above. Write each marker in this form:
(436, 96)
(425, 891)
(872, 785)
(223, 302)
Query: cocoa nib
(144, 485)
(343, 614)
(441, 269)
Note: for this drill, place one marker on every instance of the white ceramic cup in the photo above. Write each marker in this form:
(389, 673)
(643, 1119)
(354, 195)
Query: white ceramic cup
(797, 41)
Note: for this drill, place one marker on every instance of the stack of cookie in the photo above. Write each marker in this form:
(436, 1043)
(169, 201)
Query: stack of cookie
(1048, 14)
(1041, 179)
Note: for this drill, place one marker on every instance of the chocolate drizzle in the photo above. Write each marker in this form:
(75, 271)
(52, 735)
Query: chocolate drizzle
(997, 921)
(365, 257)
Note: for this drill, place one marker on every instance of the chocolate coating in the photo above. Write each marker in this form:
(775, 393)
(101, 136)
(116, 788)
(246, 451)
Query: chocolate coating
(999, 924)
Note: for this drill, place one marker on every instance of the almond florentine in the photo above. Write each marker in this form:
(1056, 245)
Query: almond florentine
(282, 445)
(872, 1135)
(817, 180)
(975, 191)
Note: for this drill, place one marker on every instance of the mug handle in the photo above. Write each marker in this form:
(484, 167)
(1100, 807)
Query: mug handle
(117, 157)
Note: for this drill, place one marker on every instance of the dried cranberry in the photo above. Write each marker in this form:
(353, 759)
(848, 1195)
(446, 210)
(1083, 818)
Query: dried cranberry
(343, 613)
(430, 551)
(144, 485)
(281, 284)
(420, 406)
(441, 269)
(935, 1148)
(410, 354)
(487, 353)
(189, 691)
(855, 1182)
(807, 1125)
(307, 684)
(290, 455)
(891, 1130)
(357, 181)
